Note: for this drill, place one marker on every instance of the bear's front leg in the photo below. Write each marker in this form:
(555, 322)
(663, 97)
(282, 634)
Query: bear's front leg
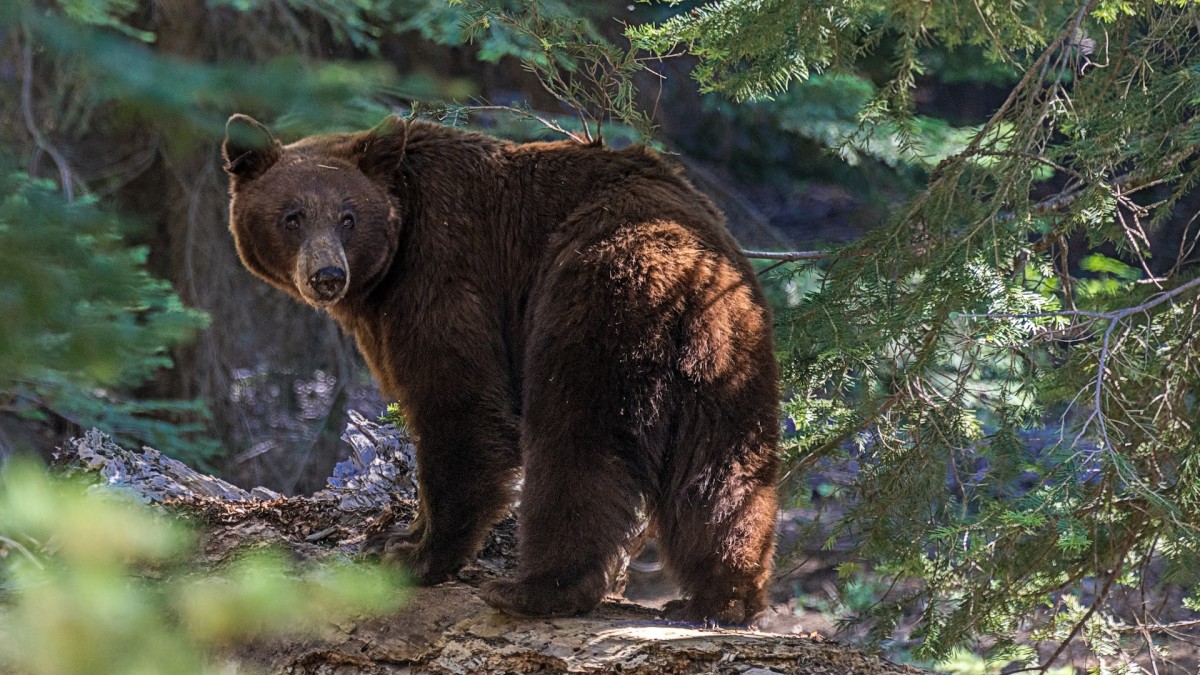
(467, 462)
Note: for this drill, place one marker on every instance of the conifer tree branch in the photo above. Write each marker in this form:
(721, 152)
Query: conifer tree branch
(1110, 316)
(1104, 354)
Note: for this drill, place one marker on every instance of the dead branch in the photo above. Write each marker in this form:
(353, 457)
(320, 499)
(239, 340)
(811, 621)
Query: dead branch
(66, 175)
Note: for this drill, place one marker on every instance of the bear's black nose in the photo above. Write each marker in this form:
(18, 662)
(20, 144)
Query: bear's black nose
(327, 282)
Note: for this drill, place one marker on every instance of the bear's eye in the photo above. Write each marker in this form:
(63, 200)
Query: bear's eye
(347, 220)
(291, 220)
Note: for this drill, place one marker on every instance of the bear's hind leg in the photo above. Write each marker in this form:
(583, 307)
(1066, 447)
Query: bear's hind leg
(579, 508)
(718, 540)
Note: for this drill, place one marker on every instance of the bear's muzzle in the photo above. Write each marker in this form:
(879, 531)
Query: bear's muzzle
(322, 274)
(328, 283)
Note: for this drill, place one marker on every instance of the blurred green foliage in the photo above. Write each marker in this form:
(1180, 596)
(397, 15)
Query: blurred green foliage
(84, 319)
(964, 662)
(194, 97)
(827, 110)
(91, 583)
(85, 324)
(75, 296)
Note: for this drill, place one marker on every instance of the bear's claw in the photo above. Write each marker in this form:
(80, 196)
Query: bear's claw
(532, 599)
(731, 613)
(401, 550)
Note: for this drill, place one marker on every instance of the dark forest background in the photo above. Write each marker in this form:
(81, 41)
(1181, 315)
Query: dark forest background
(124, 103)
(991, 345)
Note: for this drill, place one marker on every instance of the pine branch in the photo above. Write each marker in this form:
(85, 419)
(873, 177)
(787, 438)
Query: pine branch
(1114, 318)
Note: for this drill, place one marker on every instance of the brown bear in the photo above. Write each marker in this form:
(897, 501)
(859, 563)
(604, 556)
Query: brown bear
(572, 311)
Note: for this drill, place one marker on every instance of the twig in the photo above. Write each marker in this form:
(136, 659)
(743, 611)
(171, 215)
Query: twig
(1159, 627)
(21, 549)
(768, 268)
(553, 126)
(1044, 666)
(1049, 204)
(64, 169)
(787, 256)
(1114, 318)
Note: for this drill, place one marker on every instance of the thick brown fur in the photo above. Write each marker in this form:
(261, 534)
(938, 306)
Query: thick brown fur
(573, 311)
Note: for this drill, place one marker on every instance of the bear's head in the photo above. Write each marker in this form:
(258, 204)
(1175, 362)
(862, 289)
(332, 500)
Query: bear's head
(317, 218)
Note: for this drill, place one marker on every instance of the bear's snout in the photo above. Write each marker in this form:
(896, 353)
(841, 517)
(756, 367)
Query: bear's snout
(322, 273)
(328, 282)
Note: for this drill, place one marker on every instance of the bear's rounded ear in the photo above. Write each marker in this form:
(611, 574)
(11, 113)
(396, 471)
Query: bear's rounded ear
(249, 148)
(381, 150)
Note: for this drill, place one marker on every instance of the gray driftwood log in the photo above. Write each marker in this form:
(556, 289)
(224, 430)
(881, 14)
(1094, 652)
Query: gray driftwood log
(446, 628)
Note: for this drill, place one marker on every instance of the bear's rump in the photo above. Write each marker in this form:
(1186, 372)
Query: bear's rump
(642, 325)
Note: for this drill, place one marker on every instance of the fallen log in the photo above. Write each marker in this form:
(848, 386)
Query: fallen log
(444, 629)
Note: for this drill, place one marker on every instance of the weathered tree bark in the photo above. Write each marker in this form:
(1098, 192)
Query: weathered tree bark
(448, 629)
(445, 628)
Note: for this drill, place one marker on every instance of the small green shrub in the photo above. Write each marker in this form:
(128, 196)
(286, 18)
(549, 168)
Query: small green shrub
(91, 583)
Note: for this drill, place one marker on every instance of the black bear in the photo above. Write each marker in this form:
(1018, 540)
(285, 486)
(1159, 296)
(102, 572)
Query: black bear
(570, 311)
